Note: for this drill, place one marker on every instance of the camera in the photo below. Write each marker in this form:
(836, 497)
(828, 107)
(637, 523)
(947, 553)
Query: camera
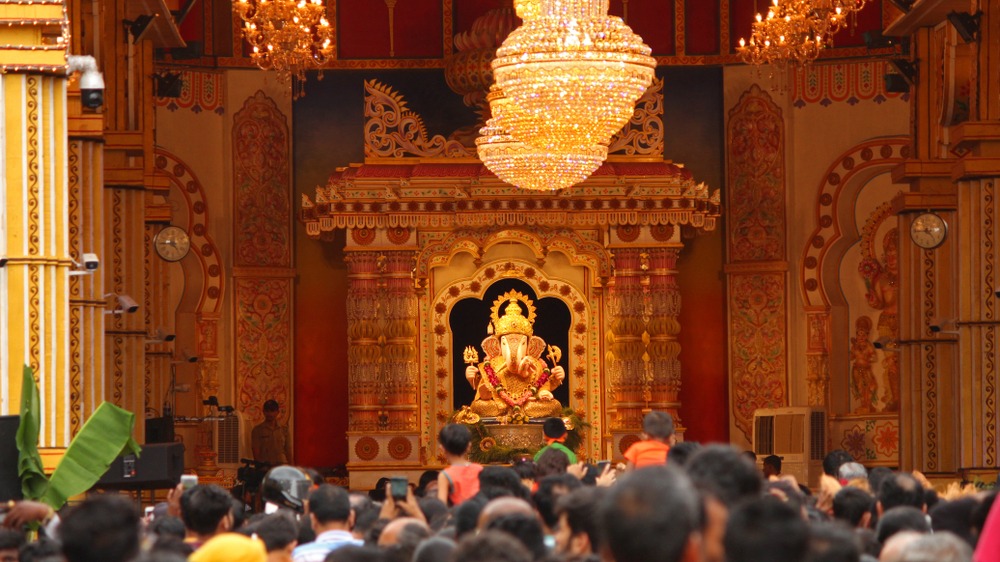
(91, 261)
(91, 80)
(398, 486)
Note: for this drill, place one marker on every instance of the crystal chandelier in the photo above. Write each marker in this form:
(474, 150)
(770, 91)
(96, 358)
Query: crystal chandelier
(286, 36)
(528, 167)
(572, 75)
(795, 31)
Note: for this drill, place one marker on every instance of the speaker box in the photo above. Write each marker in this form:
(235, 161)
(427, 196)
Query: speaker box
(10, 484)
(160, 430)
(159, 466)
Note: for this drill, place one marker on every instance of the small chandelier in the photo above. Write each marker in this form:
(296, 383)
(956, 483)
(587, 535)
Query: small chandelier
(528, 167)
(286, 36)
(572, 74)
(792, 32)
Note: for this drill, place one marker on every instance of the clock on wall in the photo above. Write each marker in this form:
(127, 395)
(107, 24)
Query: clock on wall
(172, 243)
(928, 230)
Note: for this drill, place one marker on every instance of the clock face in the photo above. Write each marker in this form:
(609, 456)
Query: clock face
(928, 230)
(172, 243)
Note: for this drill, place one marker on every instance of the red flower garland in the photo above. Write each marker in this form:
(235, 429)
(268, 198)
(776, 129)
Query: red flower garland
(525, 396)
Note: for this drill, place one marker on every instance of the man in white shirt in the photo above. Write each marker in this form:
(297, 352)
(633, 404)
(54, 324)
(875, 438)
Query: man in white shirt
(332, 519)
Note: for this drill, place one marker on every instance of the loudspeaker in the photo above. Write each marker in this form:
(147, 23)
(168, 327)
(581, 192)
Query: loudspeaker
(160, 430)
(159, 466)
(10, 483)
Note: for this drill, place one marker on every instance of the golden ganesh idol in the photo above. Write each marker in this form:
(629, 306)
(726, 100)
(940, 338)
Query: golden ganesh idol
(514, 382)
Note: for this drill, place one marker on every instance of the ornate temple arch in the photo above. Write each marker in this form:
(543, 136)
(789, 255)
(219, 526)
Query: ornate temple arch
(871, 437)
(439, 248)
(584, 376)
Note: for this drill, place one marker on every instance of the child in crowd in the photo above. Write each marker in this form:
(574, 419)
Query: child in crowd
(657, 437)
(459, 481)
(555, 435)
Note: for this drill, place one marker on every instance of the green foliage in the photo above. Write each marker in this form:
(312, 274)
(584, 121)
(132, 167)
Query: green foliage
(486, 450)
(105, 436)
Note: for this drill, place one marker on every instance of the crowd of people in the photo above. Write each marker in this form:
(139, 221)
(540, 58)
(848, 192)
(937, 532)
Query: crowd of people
(669, 502)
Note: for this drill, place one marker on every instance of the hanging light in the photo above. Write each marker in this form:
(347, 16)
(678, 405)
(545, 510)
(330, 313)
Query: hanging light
(525, 166)
(287, 36)
(572, 74)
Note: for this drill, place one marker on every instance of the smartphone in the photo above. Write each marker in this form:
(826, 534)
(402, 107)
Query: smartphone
(601, 465)
(398, 486)
(189, 481)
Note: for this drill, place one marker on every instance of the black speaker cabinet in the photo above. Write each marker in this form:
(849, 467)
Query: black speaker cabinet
(10, 484)
(159, 466)
(160, 430)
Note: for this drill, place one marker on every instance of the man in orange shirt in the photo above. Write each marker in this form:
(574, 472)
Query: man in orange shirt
(658, 436)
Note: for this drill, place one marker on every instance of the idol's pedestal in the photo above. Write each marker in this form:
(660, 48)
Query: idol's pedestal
(517, 436)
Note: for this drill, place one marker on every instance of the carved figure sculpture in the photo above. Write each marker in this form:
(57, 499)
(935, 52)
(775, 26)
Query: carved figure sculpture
(882, 294)
(514, 382)
(864, 387)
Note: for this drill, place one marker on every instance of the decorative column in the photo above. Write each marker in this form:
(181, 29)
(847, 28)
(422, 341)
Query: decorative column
(626, 370)
(663, 326)
(399, 354)
(86, 235)
(34, 201)
(363, 352)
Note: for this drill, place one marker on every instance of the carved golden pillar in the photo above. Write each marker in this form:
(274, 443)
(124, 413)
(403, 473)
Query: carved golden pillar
(663, 326)
(86, 235)
(34, 202)
(363, 353)
(626, 370)
(399, 368)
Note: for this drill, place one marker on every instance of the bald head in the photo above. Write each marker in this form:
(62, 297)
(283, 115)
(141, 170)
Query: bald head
(503, 506)
(399, 531)
(896, 545)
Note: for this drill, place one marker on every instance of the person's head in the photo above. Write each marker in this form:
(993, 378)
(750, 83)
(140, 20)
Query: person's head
(353, 553)
(401, 537)
(435, 512)
(525, 528)
(167, 526)
(833, 460)
(658, 425)
(364, 519)
(772, 465)
(427, 477)
(495, 481)
(725, 473)
(103, 528)
(554, 428)
(551, 462)
(11, 542)
(271, 410)
(937, 547)
(279, 531)
(434, 549)
(892, 550)
(876, 476)
(852, 471)
(679, 453)
(550, 489)
(491, 546)
(42, 550)
(578, 530)
(651, 514)
(455, 439)
(853, 506)
(502, 506)
(766, 529)
(955, 517)
(206, 510)
(525, 470)
(467, 515)
(901, 518)
(833, 542)
(900, 489)
(329, 506)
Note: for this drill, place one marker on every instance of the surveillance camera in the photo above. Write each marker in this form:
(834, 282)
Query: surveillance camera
(189, 357)
(127, 304)
(3, 262)
(91, 80)
(884, 343)
(91, 261)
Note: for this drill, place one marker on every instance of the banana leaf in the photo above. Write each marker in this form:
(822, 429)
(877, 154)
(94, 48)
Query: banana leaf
(105, 436)
(29, 462)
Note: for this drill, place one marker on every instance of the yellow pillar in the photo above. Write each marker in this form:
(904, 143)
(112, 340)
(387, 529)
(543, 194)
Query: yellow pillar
(34, 283)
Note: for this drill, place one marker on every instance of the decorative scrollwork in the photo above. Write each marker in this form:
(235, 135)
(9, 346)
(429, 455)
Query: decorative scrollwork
(394, 131)
(643, 134)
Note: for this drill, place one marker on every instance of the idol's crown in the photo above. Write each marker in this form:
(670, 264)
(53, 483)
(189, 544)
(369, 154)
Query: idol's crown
(512, 321)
